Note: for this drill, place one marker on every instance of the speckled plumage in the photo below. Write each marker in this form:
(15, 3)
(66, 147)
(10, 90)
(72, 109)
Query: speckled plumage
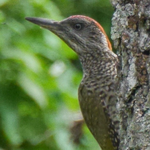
(97, 99)
(97, 95)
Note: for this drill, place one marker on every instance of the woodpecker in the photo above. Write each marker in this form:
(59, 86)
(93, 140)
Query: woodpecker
(97, 90)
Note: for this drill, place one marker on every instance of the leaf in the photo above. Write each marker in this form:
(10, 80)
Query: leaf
(33, 90)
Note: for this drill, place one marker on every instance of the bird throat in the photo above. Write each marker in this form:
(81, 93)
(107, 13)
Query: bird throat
(97, 65)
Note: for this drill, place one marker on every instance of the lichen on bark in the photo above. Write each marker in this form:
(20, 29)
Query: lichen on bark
(131, 35)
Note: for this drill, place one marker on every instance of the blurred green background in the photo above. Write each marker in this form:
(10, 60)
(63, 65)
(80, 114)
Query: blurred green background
(40, 75)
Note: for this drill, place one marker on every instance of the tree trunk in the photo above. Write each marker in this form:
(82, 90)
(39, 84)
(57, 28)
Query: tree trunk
(131, 35)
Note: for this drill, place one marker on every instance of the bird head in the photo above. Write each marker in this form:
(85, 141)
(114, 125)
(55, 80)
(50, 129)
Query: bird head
(83, 34)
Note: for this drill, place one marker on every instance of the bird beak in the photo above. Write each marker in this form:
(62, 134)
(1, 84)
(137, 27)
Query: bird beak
(53, 26)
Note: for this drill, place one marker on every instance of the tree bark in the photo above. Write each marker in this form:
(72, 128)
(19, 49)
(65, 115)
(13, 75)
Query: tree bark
(131, 35)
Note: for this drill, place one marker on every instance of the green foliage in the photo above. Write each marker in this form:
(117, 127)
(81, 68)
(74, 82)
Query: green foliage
(39, 75)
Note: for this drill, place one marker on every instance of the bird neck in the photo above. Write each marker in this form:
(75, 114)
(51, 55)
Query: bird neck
(99, 64)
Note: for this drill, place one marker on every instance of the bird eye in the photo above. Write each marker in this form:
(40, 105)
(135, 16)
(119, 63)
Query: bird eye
(78, 26)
